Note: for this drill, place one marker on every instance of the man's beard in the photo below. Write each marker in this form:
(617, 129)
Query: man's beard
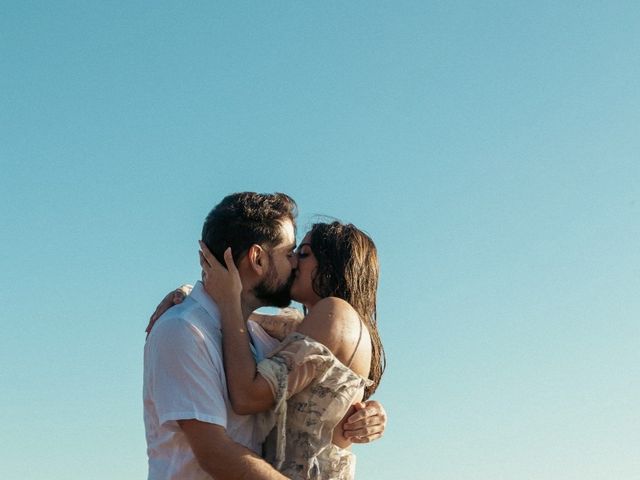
(274, 295)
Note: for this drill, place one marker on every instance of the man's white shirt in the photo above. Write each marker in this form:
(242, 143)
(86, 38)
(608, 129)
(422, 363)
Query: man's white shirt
(184, 379)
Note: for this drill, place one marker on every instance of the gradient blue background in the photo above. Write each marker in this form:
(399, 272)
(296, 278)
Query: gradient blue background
(490, 148)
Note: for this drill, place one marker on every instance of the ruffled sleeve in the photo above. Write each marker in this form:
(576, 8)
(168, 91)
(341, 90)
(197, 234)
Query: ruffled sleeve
(298, 362)
(281, 324)
(289, 369)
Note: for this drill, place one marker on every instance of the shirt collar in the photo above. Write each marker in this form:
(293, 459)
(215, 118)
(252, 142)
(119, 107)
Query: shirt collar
(200, 295)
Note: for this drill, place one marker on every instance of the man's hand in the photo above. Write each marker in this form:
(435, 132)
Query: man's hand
(367, 423)
(172, 298)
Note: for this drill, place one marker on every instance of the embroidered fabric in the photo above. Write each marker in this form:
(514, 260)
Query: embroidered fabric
(313, 391)
(281, 324)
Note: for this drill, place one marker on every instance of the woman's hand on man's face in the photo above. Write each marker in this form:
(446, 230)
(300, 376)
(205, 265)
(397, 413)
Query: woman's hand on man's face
(222, 284)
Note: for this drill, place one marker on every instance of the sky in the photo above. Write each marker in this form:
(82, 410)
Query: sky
(491, 149)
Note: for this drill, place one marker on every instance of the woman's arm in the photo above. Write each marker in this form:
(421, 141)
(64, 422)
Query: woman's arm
(249, 392)
(279, 325)
(364, 423)
(172, 298)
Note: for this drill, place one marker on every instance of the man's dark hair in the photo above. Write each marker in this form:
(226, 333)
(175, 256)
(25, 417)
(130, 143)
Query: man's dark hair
(246, 218)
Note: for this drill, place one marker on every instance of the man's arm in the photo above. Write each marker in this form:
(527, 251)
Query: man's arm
(221, 457)
(187, 383)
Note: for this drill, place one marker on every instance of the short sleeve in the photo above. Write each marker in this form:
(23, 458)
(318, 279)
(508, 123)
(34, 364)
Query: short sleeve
(186, 383)
(300, 360)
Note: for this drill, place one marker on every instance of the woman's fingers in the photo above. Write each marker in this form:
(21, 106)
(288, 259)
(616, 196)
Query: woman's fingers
(211, 264)
(206, 254)
(203, 261)
(170, 299)
(228, 260)
(221, 280)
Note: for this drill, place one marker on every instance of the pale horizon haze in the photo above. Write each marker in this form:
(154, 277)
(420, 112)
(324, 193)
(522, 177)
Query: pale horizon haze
(490, 149)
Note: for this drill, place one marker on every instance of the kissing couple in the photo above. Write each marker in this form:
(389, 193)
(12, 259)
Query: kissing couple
(229, 393)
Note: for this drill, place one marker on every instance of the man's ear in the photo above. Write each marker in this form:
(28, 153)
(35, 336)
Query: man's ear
(257, 259)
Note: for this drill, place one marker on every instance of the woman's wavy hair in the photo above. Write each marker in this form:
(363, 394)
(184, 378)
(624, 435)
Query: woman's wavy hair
(348, 269)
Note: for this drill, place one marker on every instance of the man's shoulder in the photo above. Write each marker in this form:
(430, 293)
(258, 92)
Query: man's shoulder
(187, 316)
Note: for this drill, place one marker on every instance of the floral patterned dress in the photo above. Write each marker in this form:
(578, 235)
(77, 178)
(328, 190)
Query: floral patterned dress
(313, 391)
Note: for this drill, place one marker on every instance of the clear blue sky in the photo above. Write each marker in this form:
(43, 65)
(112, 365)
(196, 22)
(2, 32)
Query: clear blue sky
(490, 148)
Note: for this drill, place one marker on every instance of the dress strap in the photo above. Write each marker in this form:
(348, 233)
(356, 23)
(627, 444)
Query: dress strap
(357, 345)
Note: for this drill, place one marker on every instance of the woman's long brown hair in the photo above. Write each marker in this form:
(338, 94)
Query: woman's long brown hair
(348, 269)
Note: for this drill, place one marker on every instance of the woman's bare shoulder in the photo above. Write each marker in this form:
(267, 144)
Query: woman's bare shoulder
(332, 322)
(331, 310)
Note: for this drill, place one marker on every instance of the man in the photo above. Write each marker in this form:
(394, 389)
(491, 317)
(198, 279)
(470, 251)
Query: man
(192, 431)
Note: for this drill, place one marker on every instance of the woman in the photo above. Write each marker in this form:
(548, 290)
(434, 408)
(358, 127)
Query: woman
(333, 359)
